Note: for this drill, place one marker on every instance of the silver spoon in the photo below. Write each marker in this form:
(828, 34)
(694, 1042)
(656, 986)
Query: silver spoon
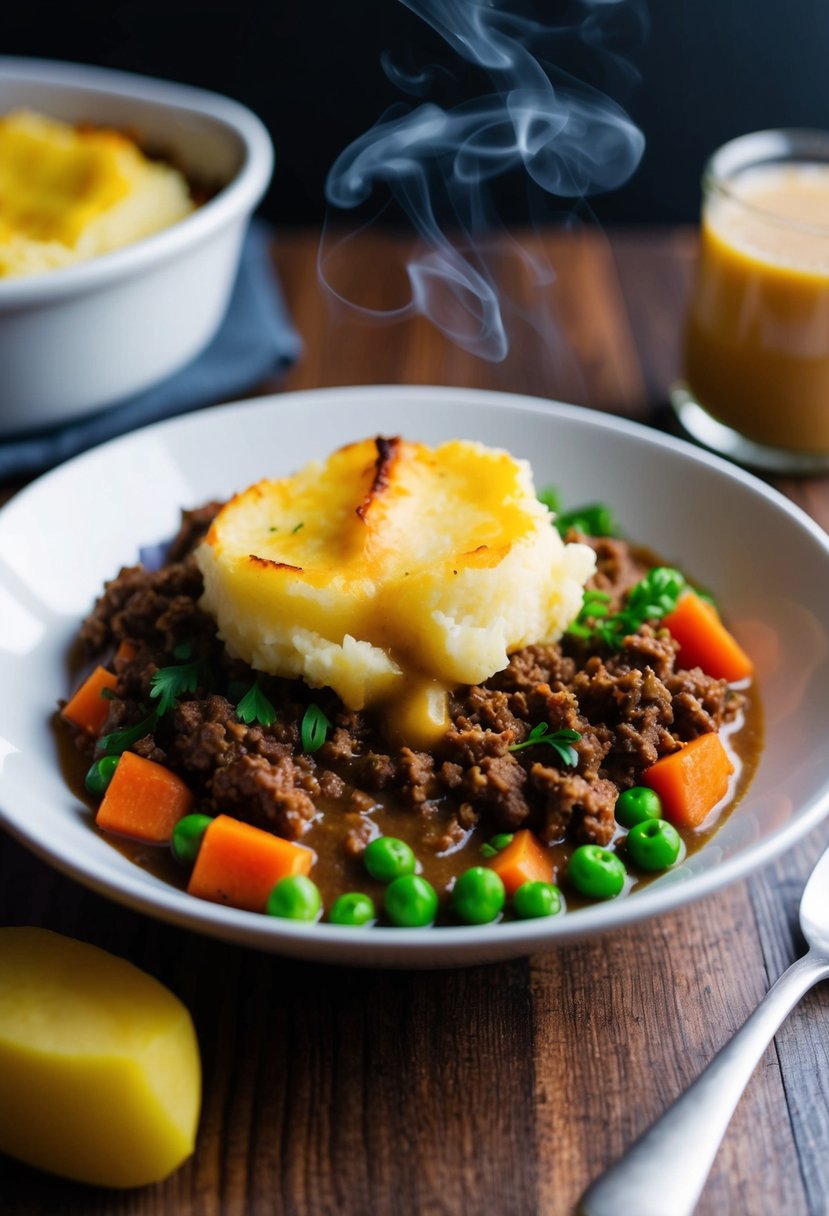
(663, 1173)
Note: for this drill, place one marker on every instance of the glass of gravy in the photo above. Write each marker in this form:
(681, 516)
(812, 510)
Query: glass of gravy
(756, 361)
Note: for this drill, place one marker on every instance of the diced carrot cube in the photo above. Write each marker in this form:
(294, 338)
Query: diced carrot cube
(126, 651)
(87, 708)
(705, 642)
(239, 864)
(525, 859)
(144, 801)
(692, 781)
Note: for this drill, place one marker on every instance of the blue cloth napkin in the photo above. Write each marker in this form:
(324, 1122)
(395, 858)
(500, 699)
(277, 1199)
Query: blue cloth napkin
(255, 340)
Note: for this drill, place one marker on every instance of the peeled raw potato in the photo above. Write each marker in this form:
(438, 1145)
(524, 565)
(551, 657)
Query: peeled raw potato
(100, 1078)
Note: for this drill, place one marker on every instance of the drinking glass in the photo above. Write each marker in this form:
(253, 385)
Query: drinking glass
(756, 352)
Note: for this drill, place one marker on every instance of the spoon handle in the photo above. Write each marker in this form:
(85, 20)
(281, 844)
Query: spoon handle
(664, 1172)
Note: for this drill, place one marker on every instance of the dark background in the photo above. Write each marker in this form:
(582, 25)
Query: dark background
(707, 70)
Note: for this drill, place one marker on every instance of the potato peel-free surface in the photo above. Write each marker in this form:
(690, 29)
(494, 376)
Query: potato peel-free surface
(100, 1077)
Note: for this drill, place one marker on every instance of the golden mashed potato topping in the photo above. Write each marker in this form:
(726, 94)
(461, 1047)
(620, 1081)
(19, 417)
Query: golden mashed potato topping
(392, 572)
(68, 193)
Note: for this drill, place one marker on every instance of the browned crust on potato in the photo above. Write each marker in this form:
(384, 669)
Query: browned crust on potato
(268, 563)
(388, 451)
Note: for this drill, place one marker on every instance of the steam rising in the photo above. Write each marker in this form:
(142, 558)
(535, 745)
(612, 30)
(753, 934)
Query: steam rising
(570, 140)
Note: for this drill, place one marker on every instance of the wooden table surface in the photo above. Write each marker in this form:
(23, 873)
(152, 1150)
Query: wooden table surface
(500, 1089)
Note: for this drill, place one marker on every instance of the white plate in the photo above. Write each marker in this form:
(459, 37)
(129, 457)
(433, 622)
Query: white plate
(69, 531)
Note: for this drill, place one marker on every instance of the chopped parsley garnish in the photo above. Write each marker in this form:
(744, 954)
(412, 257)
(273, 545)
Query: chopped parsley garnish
(236, 689)
(169, 683)
(593, 519)
(314, 729)
(559, 741)
(166, 686)
(119, 740)
(255, 707)
(549, 496)
(648, 600)
(297, 528)
(595, 606)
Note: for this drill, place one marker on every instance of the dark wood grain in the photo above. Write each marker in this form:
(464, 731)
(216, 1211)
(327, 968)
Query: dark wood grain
(492, 1090)
(801, 1052)
(655, 272)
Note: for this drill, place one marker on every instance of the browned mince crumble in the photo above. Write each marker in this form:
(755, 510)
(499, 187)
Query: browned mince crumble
(629, 707)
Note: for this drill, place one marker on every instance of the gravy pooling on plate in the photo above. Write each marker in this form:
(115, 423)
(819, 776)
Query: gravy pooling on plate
(519, 792)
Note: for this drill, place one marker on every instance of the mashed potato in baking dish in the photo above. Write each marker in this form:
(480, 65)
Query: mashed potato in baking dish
(392, 572)
(68, 193)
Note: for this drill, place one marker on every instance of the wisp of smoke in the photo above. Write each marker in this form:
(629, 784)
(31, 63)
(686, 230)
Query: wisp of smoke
(437, 164)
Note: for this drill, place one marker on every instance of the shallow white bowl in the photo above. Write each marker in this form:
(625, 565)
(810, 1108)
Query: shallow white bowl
(72, 529)
(78, 339)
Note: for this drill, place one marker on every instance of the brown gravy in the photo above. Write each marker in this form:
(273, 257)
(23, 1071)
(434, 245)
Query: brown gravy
(335, 872)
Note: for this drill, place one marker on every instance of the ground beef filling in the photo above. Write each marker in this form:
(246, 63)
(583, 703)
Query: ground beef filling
(630, 708)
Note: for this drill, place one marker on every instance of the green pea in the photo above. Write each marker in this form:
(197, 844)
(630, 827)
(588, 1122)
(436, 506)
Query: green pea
(654, 844)
(100, 774)
(478, 896)
(353, 908)
(596, 872)
(411, 902)
(295, 898)
(533, 899)
(387, 858)
(501, 841)
(637, 805)
(187, 836)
